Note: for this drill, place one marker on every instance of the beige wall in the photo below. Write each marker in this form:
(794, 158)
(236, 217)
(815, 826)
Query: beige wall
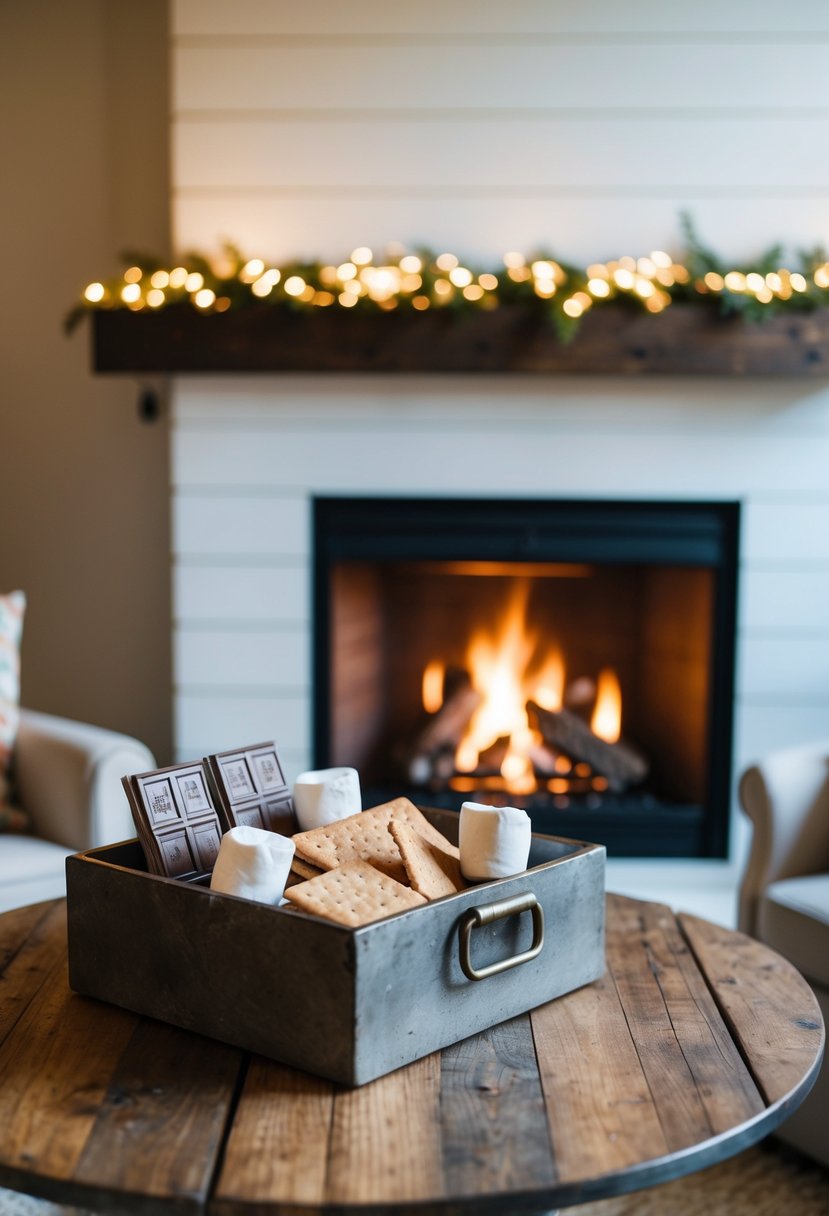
(83, 486)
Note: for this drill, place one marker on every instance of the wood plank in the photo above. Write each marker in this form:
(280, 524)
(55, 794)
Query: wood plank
(336, 151)
(15, 928)
(280, 716)
(612, 340)
(210, 524)
(696, 1076)
(485, 224)
(792, 600)
(32, 939)
(55, 1066)
(278, 1148)
(601, 1114)
(786, 666)
(344, 455)
(493, 1125)
(467, 17)
(770, 1009)
(790, 532)
(253, 595)
(765, 726)
(243, 656)
(158, 1130)
(376, 78)
(205, 404)
(385, 1139)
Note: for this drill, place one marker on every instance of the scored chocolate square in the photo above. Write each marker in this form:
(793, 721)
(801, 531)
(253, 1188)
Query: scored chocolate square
(250, 789)
(176, 820)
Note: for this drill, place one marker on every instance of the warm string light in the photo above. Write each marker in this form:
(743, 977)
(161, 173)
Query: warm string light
(423, 281)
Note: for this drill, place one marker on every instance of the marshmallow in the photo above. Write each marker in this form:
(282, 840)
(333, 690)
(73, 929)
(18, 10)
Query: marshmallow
(494, 841)
(326, 795)
(253, 864)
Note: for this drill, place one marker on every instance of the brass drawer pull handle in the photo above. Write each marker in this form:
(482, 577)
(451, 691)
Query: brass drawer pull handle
(476, 917)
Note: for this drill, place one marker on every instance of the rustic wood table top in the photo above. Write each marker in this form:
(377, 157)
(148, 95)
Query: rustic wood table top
(696, 1043)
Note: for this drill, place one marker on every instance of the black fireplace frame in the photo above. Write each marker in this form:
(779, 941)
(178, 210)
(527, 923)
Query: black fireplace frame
(657, 532)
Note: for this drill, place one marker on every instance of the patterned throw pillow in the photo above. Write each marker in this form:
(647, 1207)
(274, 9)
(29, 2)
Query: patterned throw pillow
(12, 607)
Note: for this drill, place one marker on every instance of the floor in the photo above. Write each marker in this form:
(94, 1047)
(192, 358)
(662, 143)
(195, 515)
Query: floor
(710, 893)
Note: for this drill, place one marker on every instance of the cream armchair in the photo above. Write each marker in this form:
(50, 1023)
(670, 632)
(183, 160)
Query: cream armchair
(784, 894)
(69, 780)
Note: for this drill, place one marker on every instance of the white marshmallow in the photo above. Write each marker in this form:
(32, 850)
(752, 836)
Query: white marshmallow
(254, 864)
(326, 795)
(494, 841)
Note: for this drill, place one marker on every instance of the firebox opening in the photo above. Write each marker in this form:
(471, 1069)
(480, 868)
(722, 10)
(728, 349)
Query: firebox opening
(591, 684)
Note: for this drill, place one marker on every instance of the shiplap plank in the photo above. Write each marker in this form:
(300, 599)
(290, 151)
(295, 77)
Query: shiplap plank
(220, 722)
(762, 728)
(242, 524)
(785, 666)
(465, 76)
(787, 531)
(227, 592)
(294, 761)
(671, 405)
(232, 657)
(518, 459)
(784, 600)
(483, 224)
(467, 17)
(288, 152)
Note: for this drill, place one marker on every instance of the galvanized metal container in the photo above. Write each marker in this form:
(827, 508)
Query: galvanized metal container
(346, 1004)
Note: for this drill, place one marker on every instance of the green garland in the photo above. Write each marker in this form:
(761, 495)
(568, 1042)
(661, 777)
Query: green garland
(423, 280)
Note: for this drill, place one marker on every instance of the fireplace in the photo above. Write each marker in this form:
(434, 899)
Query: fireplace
(572, 657)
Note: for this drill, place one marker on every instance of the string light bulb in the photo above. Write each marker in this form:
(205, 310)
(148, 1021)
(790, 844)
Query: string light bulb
(419, 281)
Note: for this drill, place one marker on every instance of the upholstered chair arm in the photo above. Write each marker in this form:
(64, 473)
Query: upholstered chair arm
(787, 799)
(68, 778)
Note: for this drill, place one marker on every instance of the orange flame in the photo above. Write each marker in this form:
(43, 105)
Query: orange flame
(434, 674)
(503, 666)
(607, 715)
(498, 664)
(549, 689)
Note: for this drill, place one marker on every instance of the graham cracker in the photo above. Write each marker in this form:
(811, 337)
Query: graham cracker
(434, 870)
(303, 868)
(353, 894)
(365, 837)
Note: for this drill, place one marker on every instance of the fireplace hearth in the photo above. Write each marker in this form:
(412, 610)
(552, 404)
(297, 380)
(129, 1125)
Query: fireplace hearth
(572, 657)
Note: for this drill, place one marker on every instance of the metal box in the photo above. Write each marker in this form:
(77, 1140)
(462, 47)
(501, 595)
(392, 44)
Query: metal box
(347, 1004)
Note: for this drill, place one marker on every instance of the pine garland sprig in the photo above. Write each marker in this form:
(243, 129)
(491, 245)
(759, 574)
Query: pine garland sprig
(422, 280)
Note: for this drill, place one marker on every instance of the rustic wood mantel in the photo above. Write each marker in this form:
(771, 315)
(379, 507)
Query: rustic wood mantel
(613, 340)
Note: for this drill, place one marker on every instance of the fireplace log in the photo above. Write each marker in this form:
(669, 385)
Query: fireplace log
(620, 763)
(492, 757)
(543, 760)
(443, 730)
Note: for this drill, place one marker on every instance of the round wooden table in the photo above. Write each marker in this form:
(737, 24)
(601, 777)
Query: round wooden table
(696, 1043)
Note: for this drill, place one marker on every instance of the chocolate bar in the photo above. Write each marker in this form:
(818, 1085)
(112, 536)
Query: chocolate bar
(250, 789)
(176, 820)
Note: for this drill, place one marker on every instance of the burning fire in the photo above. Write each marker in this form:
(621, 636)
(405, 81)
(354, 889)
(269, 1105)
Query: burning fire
(434, 674)
(504, 669)
(607, 715)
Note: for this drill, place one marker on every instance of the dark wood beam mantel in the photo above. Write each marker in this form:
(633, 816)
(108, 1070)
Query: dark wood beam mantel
(685, 340)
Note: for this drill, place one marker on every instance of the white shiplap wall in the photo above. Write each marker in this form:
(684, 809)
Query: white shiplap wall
(308, 129)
